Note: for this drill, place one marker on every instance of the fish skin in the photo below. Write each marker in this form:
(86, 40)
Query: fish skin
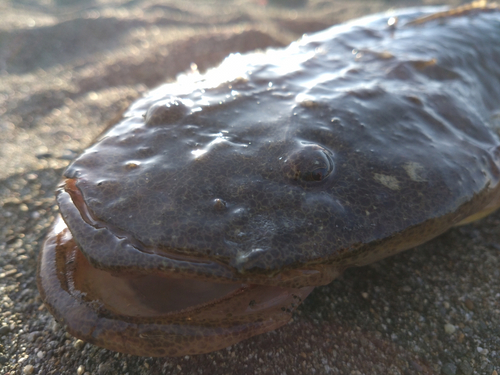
(272, 174)
(403, 112)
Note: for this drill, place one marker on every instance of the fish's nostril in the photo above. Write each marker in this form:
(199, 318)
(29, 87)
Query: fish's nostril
(219, 205)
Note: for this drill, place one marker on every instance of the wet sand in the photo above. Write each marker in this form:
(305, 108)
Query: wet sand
(68, 70)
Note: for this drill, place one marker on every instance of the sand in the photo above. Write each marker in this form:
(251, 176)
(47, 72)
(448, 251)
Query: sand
(68, 68)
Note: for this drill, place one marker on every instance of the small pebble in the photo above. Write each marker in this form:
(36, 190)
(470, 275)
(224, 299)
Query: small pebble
(78, 344)
(80, 370)
(4, 330)
(28, 369)
(416, 366)
(40, 354)
(449, 369)
(449, 328)
(482, 351)
(466, 368)
(469, 304)
(103, 369)
(33, 335)
(3, 359)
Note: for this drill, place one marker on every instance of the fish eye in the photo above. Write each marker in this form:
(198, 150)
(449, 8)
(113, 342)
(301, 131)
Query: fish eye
(318, 174)
(165, 112)
(309, 163)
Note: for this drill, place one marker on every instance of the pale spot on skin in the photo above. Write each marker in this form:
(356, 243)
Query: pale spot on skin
(388, 181)
(415, 171)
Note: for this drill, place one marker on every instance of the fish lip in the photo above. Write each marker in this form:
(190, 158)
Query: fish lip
(123, 253)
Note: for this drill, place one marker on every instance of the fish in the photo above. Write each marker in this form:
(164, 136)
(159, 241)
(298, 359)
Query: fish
(218, 202)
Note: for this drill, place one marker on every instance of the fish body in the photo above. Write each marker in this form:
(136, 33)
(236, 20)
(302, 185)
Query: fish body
(245, 187)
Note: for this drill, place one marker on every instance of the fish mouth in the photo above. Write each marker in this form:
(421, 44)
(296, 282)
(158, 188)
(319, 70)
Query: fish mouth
(149, 308)
(154, 315)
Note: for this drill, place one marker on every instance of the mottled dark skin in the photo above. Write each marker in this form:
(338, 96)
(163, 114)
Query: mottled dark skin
(282, 169)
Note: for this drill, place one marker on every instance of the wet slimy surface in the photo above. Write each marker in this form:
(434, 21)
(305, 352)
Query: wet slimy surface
(271, 174)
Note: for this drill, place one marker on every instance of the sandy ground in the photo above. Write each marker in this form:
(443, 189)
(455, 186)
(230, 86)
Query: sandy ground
(67, 68)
